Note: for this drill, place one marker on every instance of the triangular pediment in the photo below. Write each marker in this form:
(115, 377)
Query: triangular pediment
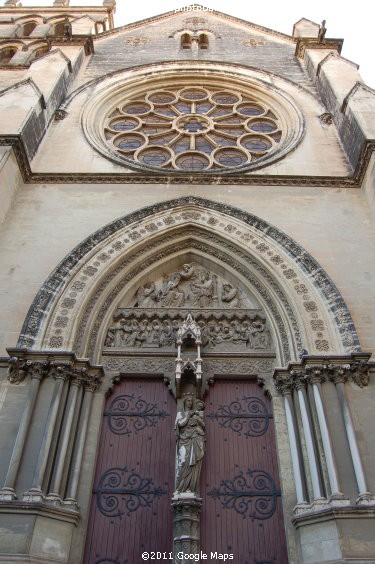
(198, 17)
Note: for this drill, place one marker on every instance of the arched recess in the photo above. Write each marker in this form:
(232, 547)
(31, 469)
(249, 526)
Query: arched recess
(305, 310)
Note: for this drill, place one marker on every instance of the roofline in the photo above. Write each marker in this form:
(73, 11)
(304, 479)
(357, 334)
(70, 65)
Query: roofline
(54, 9)
(165, 15)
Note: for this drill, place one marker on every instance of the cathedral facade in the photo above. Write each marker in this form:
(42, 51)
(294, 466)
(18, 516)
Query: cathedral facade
(187, 291)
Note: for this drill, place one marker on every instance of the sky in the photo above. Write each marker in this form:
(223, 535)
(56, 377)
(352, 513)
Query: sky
(354, 25)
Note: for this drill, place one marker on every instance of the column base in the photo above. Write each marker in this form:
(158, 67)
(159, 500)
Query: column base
(54, 499)
(7, 494)
(365, 498)
(301, 508)
(34, 495)
(71, 503)
(338, 499)
(334, 501)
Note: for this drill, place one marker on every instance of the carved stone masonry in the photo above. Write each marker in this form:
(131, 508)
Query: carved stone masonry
(186, 501)
(241, 330)
(318, 369)
(186, 528)
(190, 443)
(65, 365)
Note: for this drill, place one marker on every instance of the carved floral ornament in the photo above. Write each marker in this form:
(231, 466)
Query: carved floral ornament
(112, 263)
(354, 368)
(65, 366)
(200, 126)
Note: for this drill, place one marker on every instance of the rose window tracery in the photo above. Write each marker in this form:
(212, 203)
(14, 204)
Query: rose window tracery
(193, 129)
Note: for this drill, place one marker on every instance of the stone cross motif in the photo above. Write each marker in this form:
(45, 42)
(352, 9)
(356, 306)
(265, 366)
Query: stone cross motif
(190, 430)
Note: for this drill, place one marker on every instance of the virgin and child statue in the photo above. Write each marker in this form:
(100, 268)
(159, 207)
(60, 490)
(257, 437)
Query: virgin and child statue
(190, 430)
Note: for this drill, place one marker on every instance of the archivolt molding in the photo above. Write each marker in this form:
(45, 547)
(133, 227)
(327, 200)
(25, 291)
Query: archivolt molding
(73, 308)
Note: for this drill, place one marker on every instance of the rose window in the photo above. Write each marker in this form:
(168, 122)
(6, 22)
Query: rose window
(193, 130)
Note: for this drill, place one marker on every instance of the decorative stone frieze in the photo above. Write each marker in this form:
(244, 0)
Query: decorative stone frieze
(242, 330)
(304, 43)
(314, 369)
(64, 365)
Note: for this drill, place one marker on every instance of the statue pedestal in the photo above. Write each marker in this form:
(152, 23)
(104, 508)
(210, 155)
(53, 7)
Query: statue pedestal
(186, 514)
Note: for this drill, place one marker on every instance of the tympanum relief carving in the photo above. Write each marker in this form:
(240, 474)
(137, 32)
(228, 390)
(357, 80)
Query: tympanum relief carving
(246, 331)
(226, 317)
(190, 286)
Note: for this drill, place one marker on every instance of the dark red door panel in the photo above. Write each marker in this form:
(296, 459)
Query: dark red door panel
(131, 503)
(242, 511)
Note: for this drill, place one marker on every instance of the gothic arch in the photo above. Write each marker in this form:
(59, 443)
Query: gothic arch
(71, 309)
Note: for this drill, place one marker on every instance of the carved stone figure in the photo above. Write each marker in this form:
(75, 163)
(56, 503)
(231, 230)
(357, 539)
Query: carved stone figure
(119, 334)
(188, 270)
(229, 296)
(259, 336)
(191, 285)
(203, 289)
(67, 28)
(147, 295)
(110, 338)
(322, 31)
(133, 329)
(190, 429)
(171, 295)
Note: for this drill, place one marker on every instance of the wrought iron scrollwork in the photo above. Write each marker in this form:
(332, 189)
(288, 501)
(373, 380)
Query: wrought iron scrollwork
(121, 491)
(250, 413)
(256, 499)
(128, 414)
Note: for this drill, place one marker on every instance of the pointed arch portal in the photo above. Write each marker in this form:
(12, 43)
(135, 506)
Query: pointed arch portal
(73, 308)
(255, 300)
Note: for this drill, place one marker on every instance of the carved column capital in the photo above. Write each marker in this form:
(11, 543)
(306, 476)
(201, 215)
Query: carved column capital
(20, 368)
(315, 369)
(92, 382)
(339, 374)
(284, 383)
(60, 371)
(299, 379)
(78, 376)
(315, 375)
(57, 365)
(360, 373)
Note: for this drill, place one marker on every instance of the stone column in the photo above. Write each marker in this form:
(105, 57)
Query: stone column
(17, 373)
(91, 385)
(62, 460)
(309, 439)
(285, 387)
(186, 525)
(315, 380)
(339, 377)
(35, 493)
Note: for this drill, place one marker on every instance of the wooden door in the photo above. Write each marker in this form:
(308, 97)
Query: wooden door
(242, 511)
(134, 481)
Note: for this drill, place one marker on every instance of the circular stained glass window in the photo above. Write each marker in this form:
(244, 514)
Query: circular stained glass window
(193, 129)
